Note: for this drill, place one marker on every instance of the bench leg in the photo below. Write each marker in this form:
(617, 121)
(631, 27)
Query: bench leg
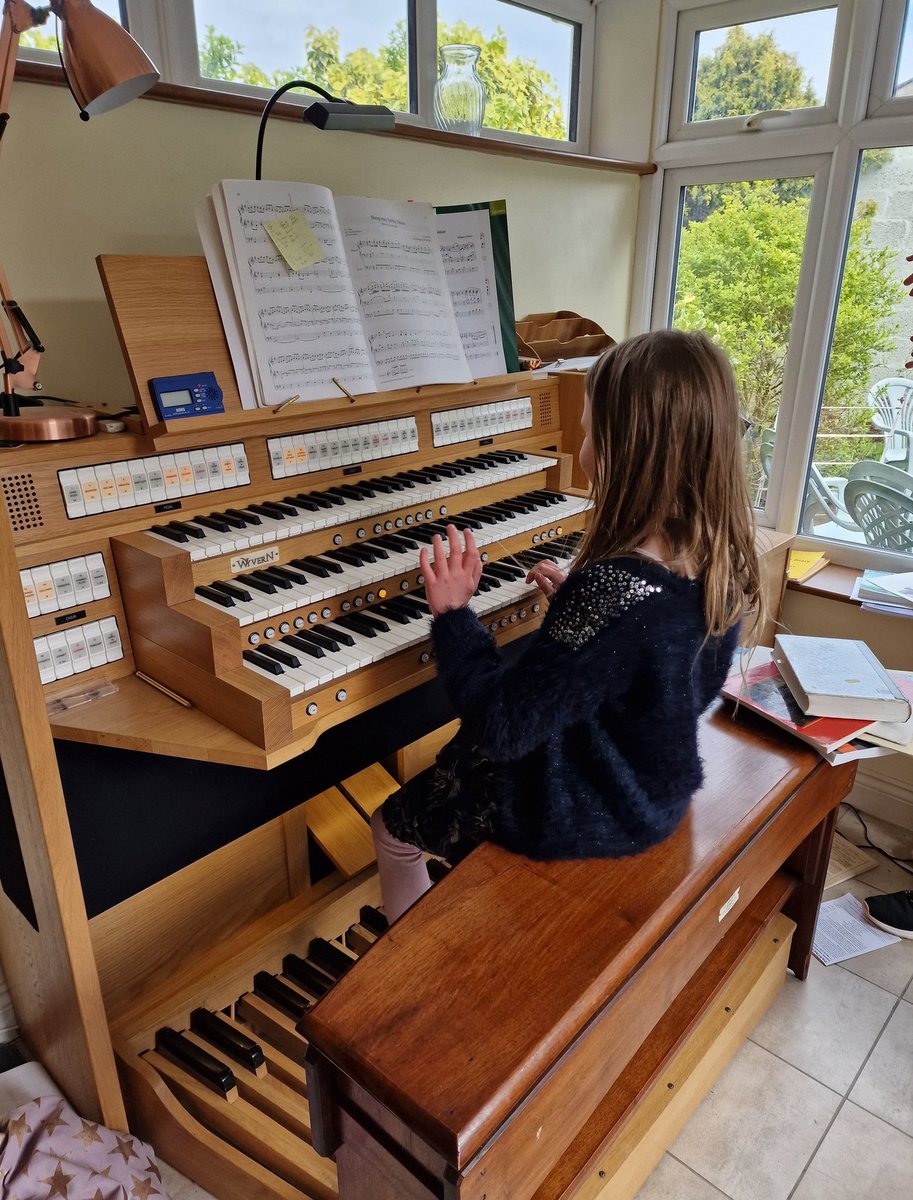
(809, 861)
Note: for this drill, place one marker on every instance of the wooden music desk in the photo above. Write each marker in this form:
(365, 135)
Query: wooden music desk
(498, 1039)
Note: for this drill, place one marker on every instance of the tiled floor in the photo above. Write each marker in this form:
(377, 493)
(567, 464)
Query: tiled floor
(818, 1104)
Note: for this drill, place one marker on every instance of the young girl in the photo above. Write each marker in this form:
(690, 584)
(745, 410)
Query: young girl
(586, 746)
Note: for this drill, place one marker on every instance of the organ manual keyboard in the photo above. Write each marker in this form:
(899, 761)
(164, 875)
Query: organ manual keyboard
(179, 847)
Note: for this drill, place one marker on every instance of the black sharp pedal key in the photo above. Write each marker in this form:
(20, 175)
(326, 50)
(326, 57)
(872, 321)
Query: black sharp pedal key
(285, 998)
(373, 919)
(173, 535)
(237, 1046)
(310, 977)
(198, 1062)
(329, 957)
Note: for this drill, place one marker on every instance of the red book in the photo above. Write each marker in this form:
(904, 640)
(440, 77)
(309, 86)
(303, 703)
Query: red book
(764, 691)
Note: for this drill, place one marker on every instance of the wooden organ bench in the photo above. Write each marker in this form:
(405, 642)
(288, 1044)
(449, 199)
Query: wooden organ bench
(528, 1030)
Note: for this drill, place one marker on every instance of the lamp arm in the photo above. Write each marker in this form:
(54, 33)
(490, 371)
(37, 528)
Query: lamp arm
(268, 108)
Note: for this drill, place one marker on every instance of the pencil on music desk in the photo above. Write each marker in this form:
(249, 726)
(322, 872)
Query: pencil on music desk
(345, 391)
(161, 687)
(285, 403)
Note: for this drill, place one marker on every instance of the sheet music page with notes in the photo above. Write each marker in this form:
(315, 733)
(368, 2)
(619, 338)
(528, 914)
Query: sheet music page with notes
(304, 326)
(345, 291)
(405, 302)
(469, 265)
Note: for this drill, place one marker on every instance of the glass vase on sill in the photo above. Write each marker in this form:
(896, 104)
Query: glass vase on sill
(459, 95)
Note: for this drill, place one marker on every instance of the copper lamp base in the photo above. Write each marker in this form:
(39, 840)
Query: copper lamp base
(47, 426)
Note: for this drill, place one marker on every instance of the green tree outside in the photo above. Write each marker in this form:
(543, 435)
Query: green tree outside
(741, 248)
(521, 97)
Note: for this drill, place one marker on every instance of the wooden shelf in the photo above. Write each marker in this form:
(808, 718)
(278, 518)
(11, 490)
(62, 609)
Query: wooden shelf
(832, 582)
(174, 93)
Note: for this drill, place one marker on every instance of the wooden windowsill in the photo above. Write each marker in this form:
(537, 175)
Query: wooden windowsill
(832, 582)
(173, 93)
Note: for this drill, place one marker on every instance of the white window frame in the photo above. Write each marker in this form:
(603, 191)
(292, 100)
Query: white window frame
(167, 31)
(882, 101)
(831, 152)
(692, 20)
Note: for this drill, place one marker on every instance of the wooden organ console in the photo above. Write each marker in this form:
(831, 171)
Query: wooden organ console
(221, 632)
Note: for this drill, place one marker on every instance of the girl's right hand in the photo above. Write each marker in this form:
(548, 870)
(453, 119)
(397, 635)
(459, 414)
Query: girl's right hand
(547, 576)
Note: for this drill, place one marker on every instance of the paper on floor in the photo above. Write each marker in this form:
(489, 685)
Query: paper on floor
(844, 932)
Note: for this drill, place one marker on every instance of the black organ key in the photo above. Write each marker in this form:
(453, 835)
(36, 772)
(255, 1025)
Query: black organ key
(402, 480)
(285, 998)
(338, 635)
(236, 1045)
(307, 975)
(216, 596)
(280, 656)
(213, 523)
(261, 661)
(303, 644)
(330, 498)
(258, 584)
(321, 500)
(186, 527)
(375, 622)
(391, 614)
(374, 548)
(293, 576)
(245, 517)
(229, 519)
(268, 575)
(323, 560)
(232, 589)
(267, 510)
(350, 622)
(348, 554)
(299, 505)
(311, 567)
(329, 957)
(313, 637)
(199, 1062)
(173, 535)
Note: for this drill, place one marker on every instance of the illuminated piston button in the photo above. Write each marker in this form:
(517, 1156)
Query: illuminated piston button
(299, 622)
(284, 627)
(337, 539)
(269, 632)
(253, 638)
(311, 709)
(312, 618)
(358, 602)
(341, 695)
(326, 613)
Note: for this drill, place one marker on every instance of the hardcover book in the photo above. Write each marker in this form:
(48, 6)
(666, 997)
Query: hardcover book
(764, 691)
(838, 677)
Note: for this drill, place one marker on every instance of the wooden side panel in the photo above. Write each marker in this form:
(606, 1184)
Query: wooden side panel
(51, 971)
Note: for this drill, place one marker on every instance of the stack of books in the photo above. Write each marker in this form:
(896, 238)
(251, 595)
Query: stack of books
(803, 564)
(882, 591)
(832, 693)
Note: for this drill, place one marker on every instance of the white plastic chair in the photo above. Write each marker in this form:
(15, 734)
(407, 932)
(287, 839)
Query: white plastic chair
(888, 398)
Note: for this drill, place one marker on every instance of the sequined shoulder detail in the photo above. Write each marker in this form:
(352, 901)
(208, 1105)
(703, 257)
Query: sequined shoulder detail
(605, 591)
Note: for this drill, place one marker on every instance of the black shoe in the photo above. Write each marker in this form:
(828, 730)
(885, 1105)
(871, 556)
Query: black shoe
(893, 912)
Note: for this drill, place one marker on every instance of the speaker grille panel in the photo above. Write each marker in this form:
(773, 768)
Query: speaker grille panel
(22, 502)
(545, 410)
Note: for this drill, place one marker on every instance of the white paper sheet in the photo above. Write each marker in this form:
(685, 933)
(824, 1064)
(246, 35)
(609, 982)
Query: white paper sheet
(403, 295)
(469, 265)
(843, 931)
(304, 327)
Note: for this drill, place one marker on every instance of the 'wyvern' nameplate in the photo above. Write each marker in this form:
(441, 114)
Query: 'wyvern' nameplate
(250, 562)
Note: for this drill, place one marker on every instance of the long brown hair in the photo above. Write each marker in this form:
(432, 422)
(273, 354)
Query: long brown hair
(666, 439)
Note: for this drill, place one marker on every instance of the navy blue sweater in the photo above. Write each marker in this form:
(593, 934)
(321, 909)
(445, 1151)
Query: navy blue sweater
(596, 724)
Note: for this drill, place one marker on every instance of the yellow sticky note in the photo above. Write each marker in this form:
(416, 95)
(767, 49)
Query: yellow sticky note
(295, 240)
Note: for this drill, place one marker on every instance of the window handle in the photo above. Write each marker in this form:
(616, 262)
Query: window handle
(756, 120)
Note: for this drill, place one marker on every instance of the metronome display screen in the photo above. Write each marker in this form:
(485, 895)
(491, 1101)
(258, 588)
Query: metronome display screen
(175, 399)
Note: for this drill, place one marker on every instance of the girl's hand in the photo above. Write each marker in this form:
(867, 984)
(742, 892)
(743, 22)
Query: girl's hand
(451, 581)
(547, 576)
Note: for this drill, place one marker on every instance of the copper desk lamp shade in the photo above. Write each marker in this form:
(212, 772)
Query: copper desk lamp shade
(104, 68)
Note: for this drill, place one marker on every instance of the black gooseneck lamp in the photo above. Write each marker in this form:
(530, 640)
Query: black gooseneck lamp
(331, 112)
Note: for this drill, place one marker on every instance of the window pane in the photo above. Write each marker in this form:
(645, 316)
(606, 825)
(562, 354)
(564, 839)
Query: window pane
(44, 37)
(903, 78)
(783, 62)
(865, 426)
(527, 63)
(739, 253)
(351, 49)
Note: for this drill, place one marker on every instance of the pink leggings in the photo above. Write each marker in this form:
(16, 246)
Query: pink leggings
(403, 874)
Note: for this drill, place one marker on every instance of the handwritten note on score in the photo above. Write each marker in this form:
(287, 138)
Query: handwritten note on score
(295, 240)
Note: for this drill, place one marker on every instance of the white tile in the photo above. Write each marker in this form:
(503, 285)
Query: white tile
(861, 1158)
(885, 1086)
(757, 1127)
(672, 1178)
(888, 877)
(179, 1187)
(825, 1025)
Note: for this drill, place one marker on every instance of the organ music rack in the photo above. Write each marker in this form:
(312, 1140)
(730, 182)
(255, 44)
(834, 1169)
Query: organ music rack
(197, 933)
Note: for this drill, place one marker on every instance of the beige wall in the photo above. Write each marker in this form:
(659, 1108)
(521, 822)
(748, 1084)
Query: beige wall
(127, 182)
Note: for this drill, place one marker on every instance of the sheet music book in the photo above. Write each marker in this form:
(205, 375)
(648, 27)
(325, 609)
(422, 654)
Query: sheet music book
(364, 298)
